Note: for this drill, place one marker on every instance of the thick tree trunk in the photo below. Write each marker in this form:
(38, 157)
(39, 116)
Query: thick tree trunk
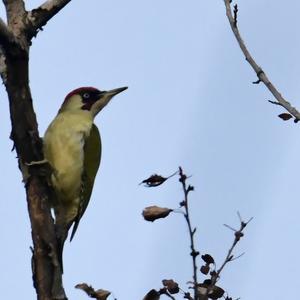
(45, 266)
(15, 41)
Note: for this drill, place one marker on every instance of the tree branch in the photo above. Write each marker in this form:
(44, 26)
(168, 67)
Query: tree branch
(47, 276)
(215, 275)
(7, 38)
(262, 77)
(14, 42)
(238, 234)
(3, 67)
(7, 45)
(194, 253)
(39, 17)
(16, 14)
(13, 39)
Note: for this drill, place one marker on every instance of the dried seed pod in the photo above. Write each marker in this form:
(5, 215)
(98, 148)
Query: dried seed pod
(153, 213)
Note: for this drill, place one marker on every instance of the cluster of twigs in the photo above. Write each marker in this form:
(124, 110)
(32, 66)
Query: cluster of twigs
(204, 289)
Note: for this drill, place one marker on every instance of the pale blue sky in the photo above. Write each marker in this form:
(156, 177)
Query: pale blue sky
(190, 102)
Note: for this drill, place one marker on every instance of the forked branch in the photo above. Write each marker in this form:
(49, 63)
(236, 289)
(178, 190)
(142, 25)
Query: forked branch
(39, 16)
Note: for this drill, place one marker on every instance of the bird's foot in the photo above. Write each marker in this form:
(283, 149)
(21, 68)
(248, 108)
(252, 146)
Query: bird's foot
(39, 162)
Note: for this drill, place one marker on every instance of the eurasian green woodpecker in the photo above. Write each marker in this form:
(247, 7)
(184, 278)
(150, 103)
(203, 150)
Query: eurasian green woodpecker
(72, 147)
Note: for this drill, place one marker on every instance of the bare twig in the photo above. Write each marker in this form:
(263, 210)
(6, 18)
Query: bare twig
(39, 16)
(238, 234)
(262, 77)
(229, 227)
(164, 291)
(237, 257)
(275, 102)
(235, 11)
(194, 253)
(207, 289)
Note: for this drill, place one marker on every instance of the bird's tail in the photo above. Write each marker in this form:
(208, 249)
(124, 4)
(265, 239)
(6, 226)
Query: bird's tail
(61, 234)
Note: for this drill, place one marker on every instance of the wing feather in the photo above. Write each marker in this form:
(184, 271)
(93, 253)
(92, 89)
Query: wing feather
(92, 157)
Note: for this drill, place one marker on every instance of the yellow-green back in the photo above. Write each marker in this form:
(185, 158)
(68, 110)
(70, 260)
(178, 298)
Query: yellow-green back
(92, 157)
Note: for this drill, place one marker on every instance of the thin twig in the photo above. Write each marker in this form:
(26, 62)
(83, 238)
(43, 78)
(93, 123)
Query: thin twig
(194, 253)
(229, 227)
(230, 257)
(262, 77)
(275, 102)
(235, 11)
(168, 177)
(237, 257)
(166, 293)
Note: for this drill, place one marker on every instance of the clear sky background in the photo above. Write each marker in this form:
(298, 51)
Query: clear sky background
(190, 102)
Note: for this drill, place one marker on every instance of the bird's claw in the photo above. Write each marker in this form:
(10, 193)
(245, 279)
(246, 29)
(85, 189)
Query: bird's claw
(39, 162)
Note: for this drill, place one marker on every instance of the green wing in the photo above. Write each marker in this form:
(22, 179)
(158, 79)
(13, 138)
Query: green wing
(92, 157)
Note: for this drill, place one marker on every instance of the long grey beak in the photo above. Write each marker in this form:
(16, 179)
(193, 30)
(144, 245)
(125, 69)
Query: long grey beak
(114, 92)
(104, 98)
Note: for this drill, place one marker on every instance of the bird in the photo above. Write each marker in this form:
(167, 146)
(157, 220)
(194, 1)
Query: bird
(72, 148)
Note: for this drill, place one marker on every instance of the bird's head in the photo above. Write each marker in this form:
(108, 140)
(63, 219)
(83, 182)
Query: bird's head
(88, 99)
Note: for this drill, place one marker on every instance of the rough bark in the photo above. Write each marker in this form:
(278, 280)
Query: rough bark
(15, 41)
(41, 15)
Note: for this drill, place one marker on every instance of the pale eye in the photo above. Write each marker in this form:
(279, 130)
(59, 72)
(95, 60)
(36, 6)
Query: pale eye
(86, 95)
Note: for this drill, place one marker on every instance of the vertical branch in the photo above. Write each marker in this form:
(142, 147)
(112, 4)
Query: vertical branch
(15, 41)
(16, 14)
(46, 270)
(192, 231)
